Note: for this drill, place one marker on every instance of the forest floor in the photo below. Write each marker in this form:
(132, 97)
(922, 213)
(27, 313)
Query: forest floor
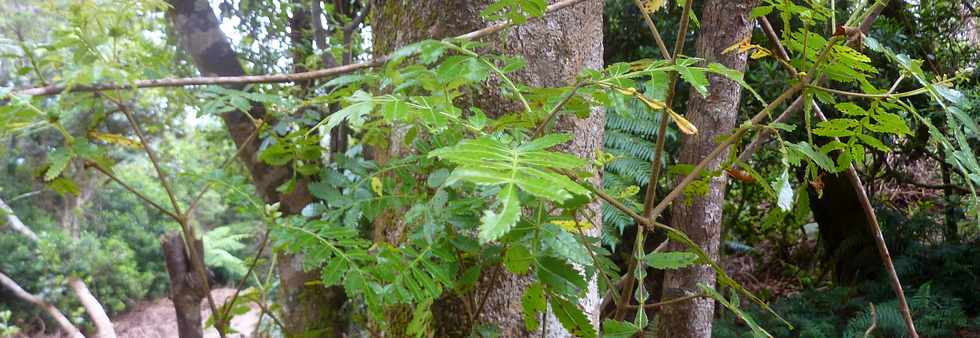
(156, 319)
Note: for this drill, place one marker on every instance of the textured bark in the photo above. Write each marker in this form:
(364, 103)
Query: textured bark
(556, 47)
(309, 308)
(186, 290)
(724, 23)
(60, 318)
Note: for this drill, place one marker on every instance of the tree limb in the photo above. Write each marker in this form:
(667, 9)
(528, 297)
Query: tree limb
(60, 318)
(250, 79)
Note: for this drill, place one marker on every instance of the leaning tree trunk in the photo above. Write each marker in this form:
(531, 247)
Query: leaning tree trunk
(556, 47)
(724, 24)
(309, 308)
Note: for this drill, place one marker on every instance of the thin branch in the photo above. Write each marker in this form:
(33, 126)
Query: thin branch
(200, 194)
(667, 302)
(16, 223)
(197, 258)
(554, 111)
(144, 141)
(869, 214)
(656, 162)
(250, 79)
(60, 318)
(129, 188)
(241, 282)
(653, 29)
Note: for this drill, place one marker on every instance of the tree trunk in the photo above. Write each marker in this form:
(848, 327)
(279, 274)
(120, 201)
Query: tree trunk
(186, 290)
(724, 23)
(309, 308)
(556, 47)
(60, 318)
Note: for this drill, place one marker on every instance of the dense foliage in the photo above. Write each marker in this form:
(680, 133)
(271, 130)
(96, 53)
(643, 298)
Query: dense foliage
(435, 194)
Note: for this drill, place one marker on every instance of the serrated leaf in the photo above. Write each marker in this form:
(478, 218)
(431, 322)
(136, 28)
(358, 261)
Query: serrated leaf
(361, 104)
(57, 162)
(670, 260)
(497, 223)
(572, 318)
(518, 259)
(695, 77)
(821, 159)
(618, 329)
(534, 304)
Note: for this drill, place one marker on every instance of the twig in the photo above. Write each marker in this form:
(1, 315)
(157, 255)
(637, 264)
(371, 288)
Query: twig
(129, 188)
(249, 79)
(554, 111)
(667, 302)
(874, 321)
(241, 282)
(869, 214)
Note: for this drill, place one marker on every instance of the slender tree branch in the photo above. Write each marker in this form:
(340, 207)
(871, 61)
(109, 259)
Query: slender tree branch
(129, 188)
(60, 318)
(869, 214)
(250, 79)
(241, 282)
(667, 302)
(554, 111)
(16, 223)
(197, 258)
(207, 187)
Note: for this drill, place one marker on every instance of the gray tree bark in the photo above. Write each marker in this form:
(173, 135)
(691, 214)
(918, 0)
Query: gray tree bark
(724, 23)
(309, 308)
(186, 290)
(556, 47)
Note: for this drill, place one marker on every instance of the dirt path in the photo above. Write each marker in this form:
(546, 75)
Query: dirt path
(156, 319)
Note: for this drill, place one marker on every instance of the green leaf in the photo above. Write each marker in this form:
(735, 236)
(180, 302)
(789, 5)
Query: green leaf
(757, 331)
(572, 318)
(821, 159)
(734, 75)
(670, 260)
(496, 224)
(57, 162)
(361, 104)
(618, 329)
(760, 11)
(534, 304)
(560, 276)
(850, 109)
(695, 77)
(518, 259)
(465, 67)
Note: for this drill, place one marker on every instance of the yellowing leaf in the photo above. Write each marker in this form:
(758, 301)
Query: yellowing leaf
(652, 6)
(760, 53)
(115, 139)
(377, 186)
(682, 123)
(572, 225)
(740, 46)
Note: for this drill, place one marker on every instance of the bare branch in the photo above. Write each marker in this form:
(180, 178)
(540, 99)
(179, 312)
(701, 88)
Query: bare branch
(250, 79)
(60, 318)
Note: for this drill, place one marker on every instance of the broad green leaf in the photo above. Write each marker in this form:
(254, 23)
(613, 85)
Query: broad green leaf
(518, 259)
(734, 75)
(560, 276)
(670, 260)
(572, 318)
